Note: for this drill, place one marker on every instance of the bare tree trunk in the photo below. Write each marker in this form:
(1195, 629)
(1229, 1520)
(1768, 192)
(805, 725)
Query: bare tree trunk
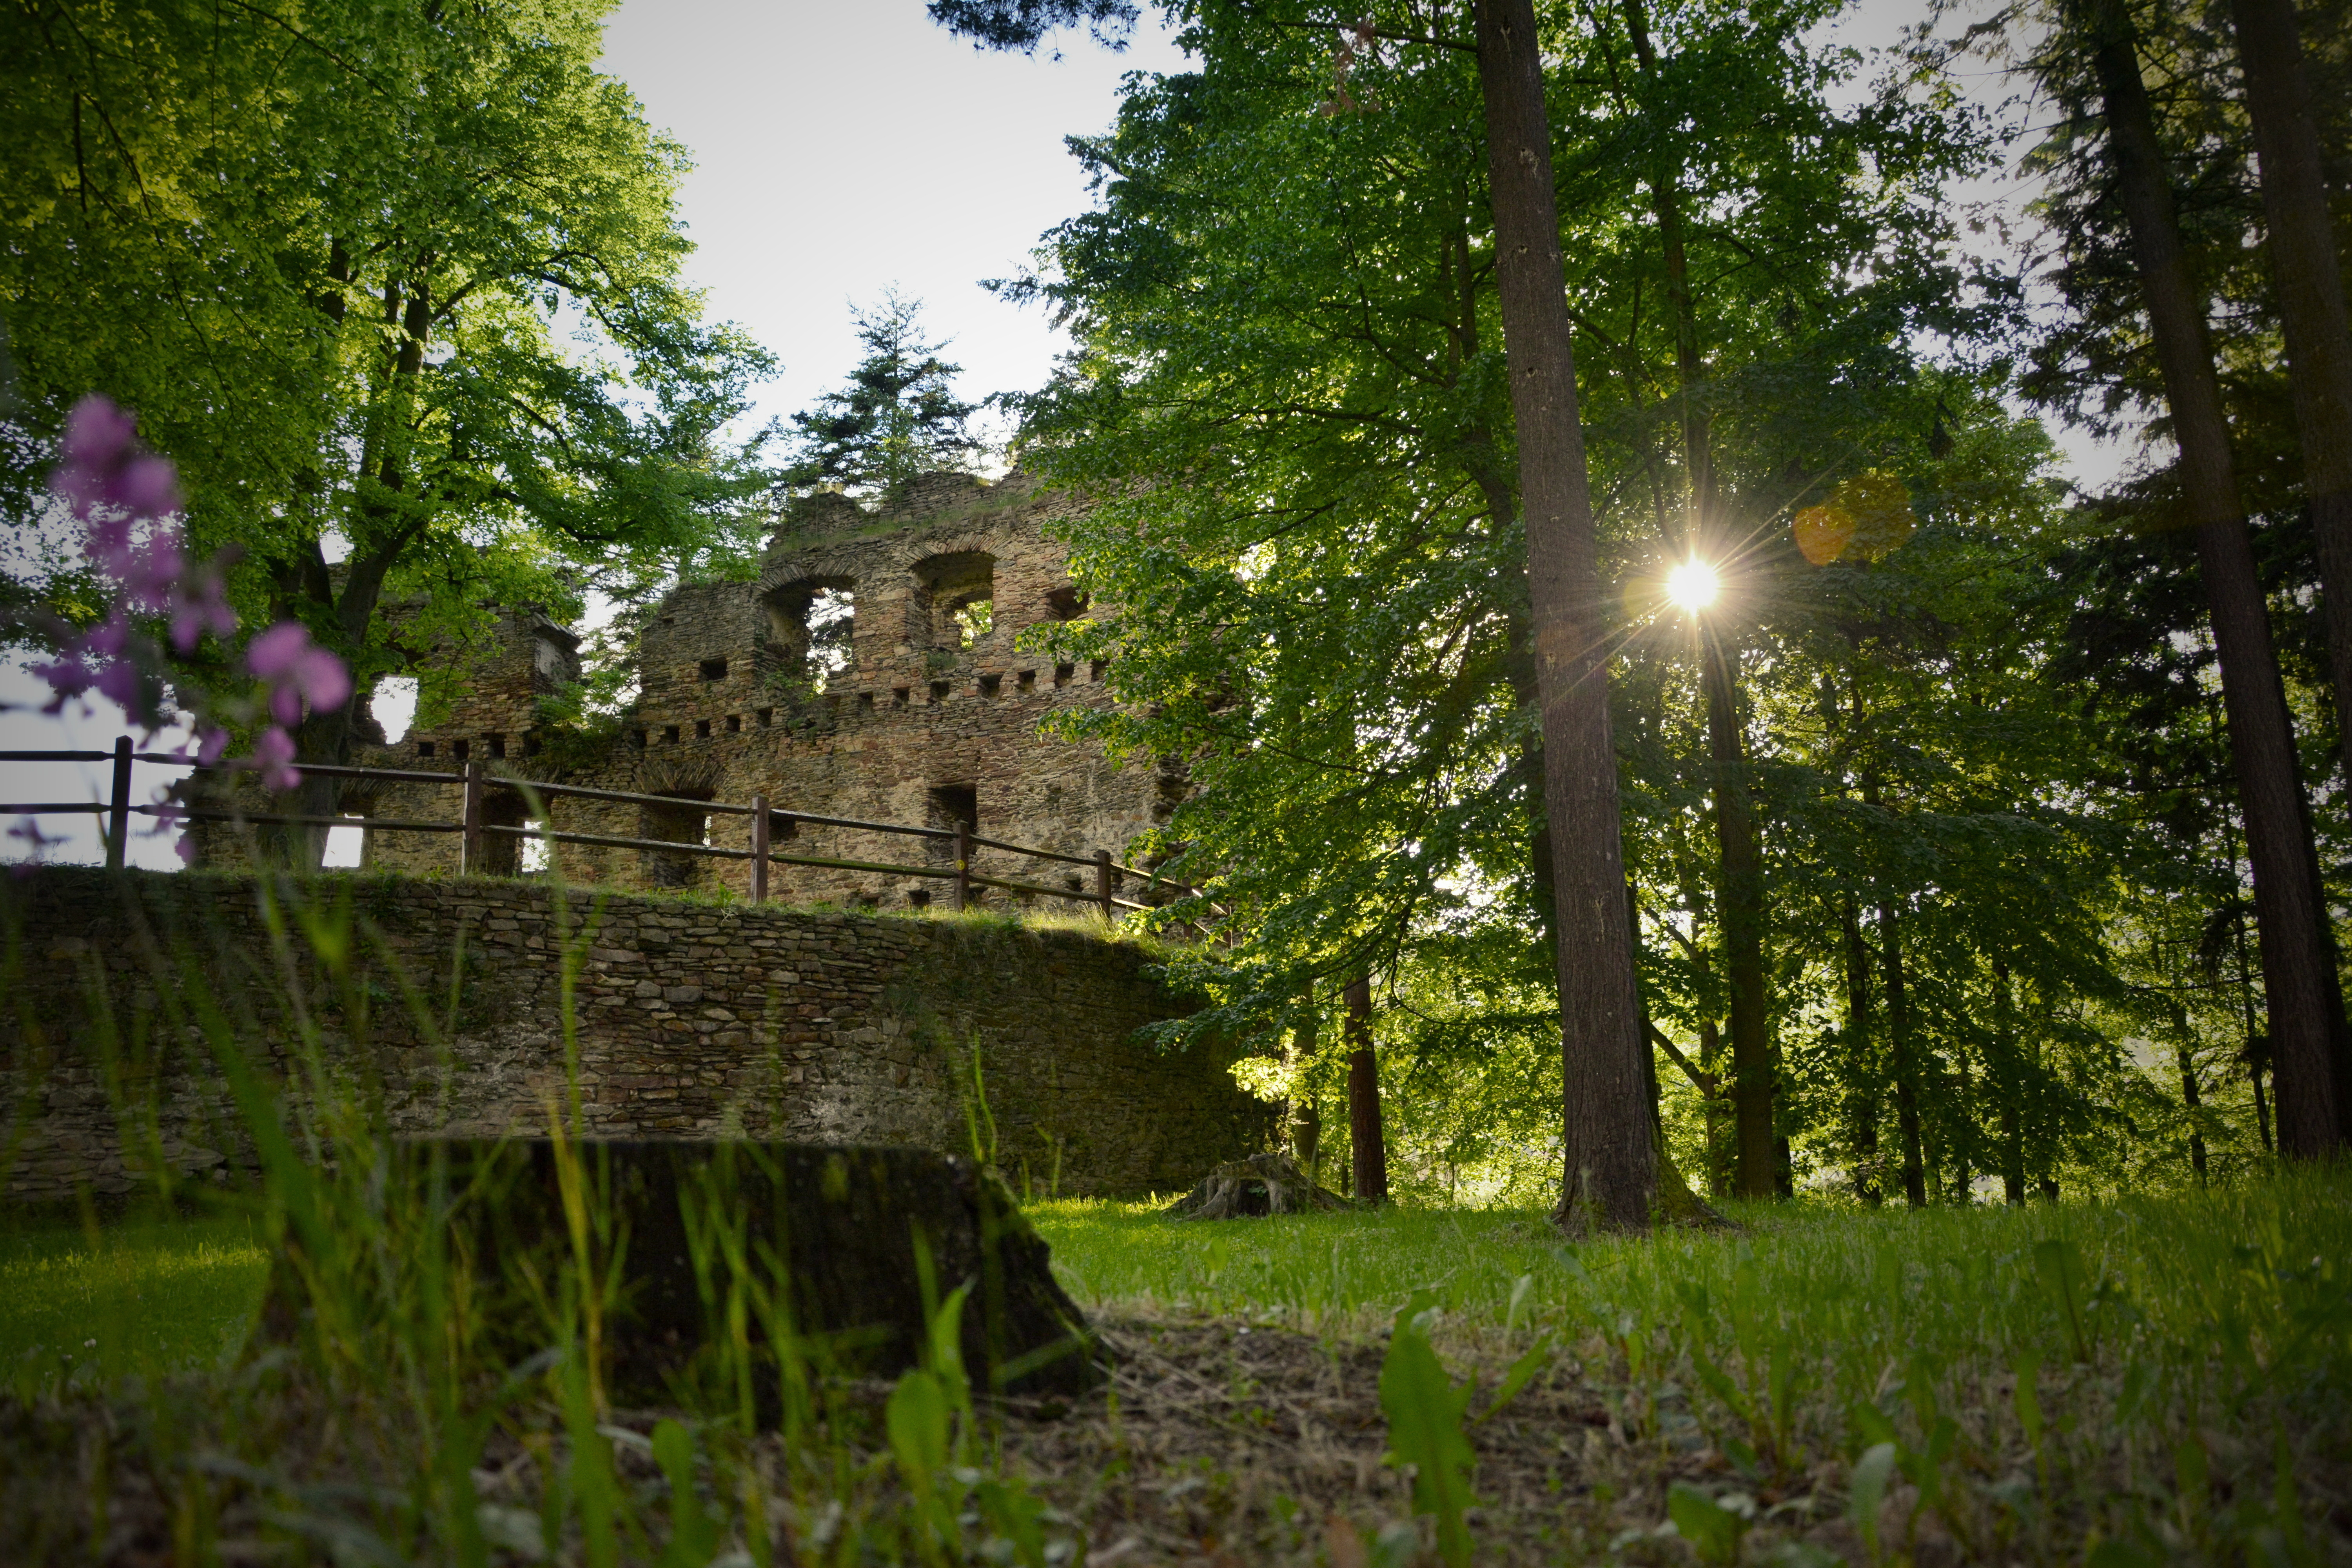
(2308, 282)
(2308, 278)
(1859, 1056)
(1371, 1167)
(2298, 953)
(1609, 1161)
(2191, 1099)
(1901, 1058)
(2010, 1084)
(1739, 906)
(1306, 1115)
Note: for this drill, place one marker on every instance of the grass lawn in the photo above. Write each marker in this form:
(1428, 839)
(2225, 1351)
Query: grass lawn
(2162, 1379)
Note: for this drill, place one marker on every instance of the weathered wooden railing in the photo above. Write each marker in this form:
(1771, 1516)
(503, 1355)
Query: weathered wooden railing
(477, 783)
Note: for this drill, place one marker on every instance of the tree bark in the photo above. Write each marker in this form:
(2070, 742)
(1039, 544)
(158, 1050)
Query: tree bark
(2010, 1084)
(2190, 1100)
(842, 1236)
(2298, 953)
(1741, 894)
(1371, 1164)
(2308, 282)
(1859, 1060)
(1901, 1059)
(1306, 1124)
(1609, 1161)
(1739, 907)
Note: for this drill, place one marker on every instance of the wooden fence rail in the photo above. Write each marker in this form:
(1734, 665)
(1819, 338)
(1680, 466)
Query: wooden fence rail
(477, 783)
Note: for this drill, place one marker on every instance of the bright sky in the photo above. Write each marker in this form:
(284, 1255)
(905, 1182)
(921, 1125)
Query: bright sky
(840, 150)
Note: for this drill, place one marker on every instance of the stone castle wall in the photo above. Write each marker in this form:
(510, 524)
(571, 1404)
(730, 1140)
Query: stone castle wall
(752, 688)
(693, 1019)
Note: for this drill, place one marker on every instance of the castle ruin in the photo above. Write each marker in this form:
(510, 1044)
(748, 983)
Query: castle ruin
(870, 673)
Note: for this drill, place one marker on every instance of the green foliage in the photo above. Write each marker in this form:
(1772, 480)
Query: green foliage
(1425, 1410)
(897, 417)
(399, 284)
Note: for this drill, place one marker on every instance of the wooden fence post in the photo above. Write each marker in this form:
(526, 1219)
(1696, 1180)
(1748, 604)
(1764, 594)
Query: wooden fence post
(470, 862)
(962, 865)
(1103, 885)
(118, 809)
(759, 848)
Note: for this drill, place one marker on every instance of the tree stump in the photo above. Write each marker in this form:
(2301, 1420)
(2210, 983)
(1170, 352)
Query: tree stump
(1263, 1183)
(840, 1237)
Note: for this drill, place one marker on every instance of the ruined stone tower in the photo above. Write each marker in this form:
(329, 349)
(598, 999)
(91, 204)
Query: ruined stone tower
(871, 674)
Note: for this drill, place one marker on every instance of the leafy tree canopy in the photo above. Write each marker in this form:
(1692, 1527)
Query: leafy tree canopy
(399, 289)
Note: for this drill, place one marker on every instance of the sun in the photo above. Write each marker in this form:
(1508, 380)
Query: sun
(1692, 586)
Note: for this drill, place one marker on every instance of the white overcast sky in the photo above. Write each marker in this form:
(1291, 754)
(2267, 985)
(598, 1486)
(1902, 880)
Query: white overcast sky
(840, 150)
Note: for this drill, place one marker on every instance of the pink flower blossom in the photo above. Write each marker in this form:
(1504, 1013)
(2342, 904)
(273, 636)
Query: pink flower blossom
(273, 753)
(297, 670)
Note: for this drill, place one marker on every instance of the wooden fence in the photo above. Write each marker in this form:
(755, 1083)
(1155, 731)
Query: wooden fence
(476, 832)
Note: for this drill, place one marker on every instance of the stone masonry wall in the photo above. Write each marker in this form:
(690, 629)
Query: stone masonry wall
(922, 721)
(694, 1020)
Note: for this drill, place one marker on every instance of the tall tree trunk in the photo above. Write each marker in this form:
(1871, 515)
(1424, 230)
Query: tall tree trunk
(2190, 1100)
(1370, 1161)
(1739, 908)
(2308, 280)
(1901, 1058)
(1860, 1061)
(2011, 1086)
(2308, 283)
(1306, 1115)
(1609, 1161)
(1718, 1157)
(1741, 893)
(2298, 954)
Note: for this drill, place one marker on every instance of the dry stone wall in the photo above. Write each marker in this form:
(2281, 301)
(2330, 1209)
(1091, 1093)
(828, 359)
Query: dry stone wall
(694, 1019)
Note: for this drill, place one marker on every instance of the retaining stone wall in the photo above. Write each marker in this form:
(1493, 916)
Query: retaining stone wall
(694, 1020)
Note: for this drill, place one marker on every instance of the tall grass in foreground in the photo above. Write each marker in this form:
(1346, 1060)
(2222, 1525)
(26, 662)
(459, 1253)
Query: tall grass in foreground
(2161, 1380)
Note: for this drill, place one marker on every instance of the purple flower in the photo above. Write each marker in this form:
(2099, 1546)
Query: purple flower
(297, 670)
(273, 753)
(212, 744)
(105, 477)
(200, 605)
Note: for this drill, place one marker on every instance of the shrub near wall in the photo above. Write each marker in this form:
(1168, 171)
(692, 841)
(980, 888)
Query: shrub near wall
(690, 1020)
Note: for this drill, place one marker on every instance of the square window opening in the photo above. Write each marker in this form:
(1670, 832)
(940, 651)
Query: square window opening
(713, 670)
(460, 749)
(424, 748)
(702, 729)
(1063, 672)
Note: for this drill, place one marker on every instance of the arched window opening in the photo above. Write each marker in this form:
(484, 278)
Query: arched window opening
(1067, 604)
(812, 629)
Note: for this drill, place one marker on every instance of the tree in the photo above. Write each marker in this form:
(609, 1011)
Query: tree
(1608, 1173)
(898, 415)
(2298, 956)
(332, 263)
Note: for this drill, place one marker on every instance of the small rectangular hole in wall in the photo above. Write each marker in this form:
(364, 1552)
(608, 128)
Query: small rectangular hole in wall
(637, 739)
(713, 668)
(702, 729)
(898, 696)
(767, 716)
(1028, 681)
(938, 689)
(734, 723)
(497, 744)
(1095, 670)
(459, 749)
(782, 824)
(669, 734)
(1061, 673)
(866, 700)
(991, 684)
(920, 897)
(424, 748)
